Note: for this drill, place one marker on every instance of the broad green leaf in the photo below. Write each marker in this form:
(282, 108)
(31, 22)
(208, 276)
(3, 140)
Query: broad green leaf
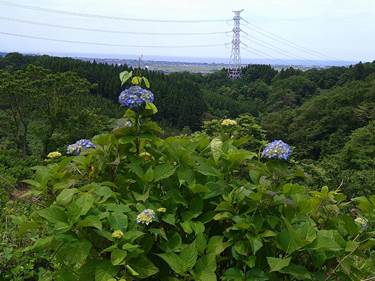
(143, 266)
(147, 83)
(104, 271)
(169, 218)
(118, 256)
(216, 245)
(65, 196)
(41, 243)
(75, 252)
(136, 169)
(163, 171)
(233, 274)
(205, 268)
(104, 192)
(329, 240)
(276, 264)
(205, 168)
(185, 175)
(53, 214)
(118, 221)
(200, 243)
(297, 271)
(256, 244)
(223, 216)
(33, 183)
(174, 262)
(91, 221)
(188, 256)
(152, 108)
(125, 76)
(198, 188)
(131, 235)
(294, 238)
(131, 270)
(85, 203)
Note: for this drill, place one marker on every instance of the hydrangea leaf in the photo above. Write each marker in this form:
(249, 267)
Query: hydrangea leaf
(104, 271)
(174, 262)
(125, 76)
(91, 221)
(143, 266)
(297, 271)
(189, 255)
(216, 245)
(118, 221)
(276, 264)
(118, 256)
(205, 268)
(65, 196)
(163, 171)
(147, 83)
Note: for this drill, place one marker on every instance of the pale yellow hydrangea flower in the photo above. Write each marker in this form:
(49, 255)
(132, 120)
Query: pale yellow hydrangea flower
(54, 155)
(228, 122)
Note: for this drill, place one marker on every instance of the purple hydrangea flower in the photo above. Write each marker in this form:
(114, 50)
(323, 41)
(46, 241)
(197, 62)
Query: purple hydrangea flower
(135, 96)
(78, 146)
(277, 149)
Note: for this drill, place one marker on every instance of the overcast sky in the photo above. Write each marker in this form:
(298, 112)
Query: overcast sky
(338, 29)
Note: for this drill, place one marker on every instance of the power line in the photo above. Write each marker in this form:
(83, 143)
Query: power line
(277, 49)
(280, 39)
(112, 31)
(96, 16)
(259, 53)
(110, 44)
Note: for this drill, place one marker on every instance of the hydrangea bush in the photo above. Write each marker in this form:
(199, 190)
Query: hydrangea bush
(193, 208)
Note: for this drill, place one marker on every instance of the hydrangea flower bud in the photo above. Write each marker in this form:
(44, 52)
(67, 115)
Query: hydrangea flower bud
(277, 149)
(117, 234)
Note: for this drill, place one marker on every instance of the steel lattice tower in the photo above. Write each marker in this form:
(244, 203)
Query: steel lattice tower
(235, 56)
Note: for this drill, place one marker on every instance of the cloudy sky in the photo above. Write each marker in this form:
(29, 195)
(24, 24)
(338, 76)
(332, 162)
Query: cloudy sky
(314, 29)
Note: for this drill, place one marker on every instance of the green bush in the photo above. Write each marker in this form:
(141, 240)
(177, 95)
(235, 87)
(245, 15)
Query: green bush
(192, 208)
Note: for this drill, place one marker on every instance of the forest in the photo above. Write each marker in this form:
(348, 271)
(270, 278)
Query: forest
(198, 158)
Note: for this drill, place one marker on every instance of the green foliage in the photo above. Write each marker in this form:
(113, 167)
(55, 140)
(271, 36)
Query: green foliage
(220, 212)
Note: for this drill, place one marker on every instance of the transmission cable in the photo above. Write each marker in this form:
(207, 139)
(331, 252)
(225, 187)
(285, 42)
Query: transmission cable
(96, 16)
(109, 44)
(280, 39)
(275, 48)
(112, 31)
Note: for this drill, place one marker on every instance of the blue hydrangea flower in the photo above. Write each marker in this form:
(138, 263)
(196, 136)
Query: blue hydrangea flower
(277, 149)
(78, 146)
(135, 96)
(146, 217)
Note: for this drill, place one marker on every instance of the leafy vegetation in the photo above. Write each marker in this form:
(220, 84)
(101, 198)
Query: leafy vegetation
(137, 204)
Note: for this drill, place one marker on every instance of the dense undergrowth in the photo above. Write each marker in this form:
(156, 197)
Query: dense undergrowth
(212, 205)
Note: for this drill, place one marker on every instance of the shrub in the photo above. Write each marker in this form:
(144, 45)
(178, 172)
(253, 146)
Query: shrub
(193, 208)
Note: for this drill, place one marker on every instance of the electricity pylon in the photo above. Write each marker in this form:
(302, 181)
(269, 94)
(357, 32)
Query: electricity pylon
(235, 56)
